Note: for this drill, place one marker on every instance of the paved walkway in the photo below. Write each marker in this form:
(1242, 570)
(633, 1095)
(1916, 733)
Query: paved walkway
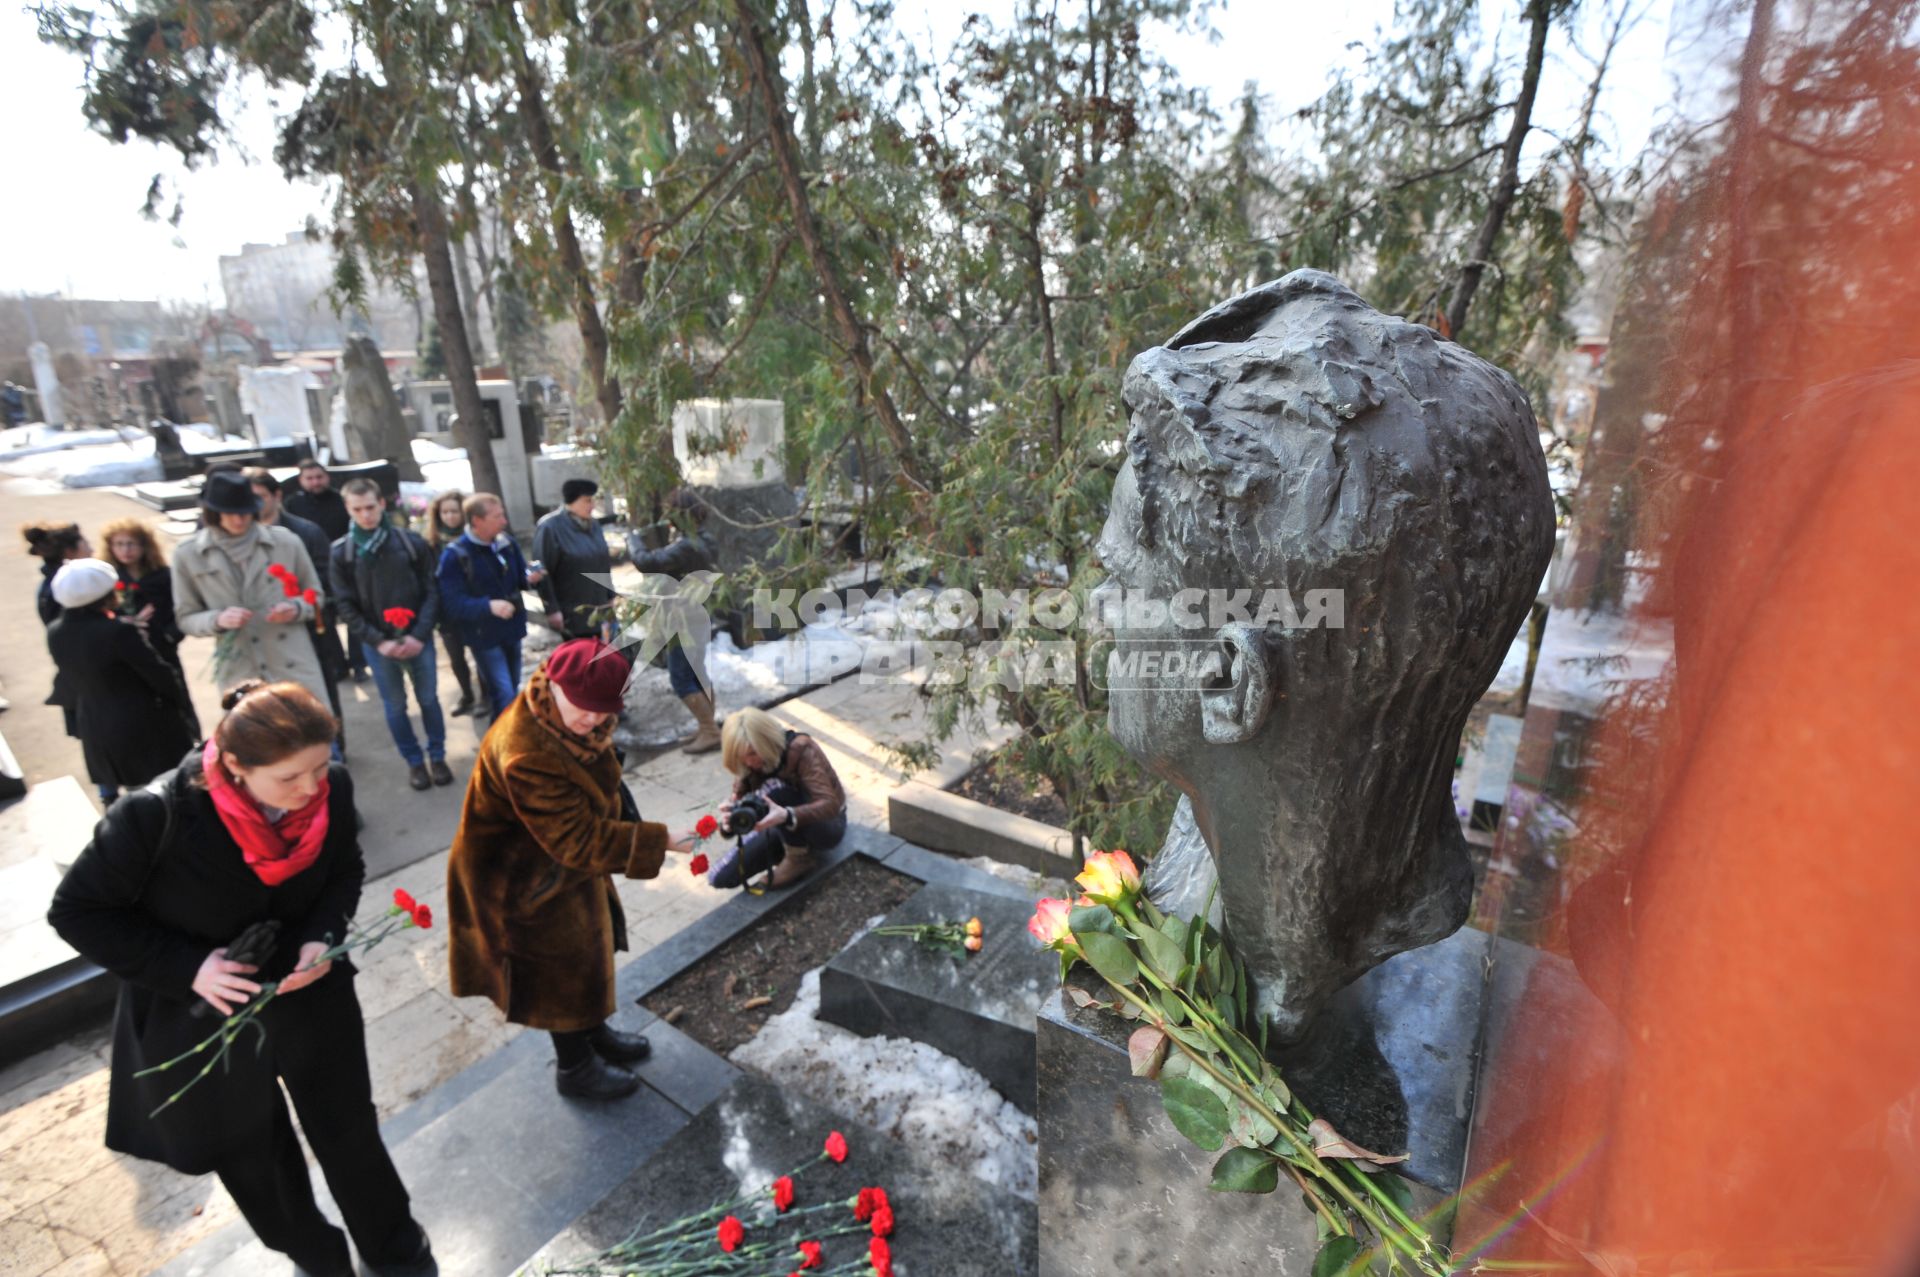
(70, 1208)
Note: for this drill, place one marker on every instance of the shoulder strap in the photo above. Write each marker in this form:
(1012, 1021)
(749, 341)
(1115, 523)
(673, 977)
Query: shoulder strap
(162, 788)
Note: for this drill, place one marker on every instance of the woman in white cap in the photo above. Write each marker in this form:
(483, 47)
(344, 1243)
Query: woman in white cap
(129, 709)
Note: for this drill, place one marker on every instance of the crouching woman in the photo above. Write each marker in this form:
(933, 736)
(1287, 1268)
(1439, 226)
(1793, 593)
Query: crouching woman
(256, 826)
(806, 807)
(532, 914)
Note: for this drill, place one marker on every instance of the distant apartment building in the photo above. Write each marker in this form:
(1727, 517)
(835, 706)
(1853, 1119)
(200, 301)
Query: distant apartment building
(283, 291)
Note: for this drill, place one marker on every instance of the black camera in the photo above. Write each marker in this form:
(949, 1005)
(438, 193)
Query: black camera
(748, 810)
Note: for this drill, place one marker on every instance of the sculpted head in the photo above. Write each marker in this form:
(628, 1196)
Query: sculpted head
(1392, 484)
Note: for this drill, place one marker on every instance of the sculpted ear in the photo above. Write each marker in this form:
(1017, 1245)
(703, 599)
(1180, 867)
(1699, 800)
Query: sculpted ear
(1233, 703)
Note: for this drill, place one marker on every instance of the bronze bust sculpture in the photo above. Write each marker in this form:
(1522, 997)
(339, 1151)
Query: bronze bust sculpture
(1295, 438)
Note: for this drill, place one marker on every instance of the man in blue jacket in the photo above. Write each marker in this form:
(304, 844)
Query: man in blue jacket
(481, 578)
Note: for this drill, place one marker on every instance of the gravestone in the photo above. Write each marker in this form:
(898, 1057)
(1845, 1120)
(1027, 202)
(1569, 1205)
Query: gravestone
(979, 1010)
(947, 1222)
(373, 409)
(731, 453)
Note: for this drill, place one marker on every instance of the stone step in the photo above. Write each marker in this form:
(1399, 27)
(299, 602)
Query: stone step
(46, 989)
(948, 1223)
(497, 1161)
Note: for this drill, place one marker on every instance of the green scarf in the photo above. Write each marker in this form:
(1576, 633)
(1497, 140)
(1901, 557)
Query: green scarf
(365, 542)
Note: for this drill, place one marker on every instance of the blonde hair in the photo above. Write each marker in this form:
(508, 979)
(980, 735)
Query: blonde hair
(152, 558)
(753, 729)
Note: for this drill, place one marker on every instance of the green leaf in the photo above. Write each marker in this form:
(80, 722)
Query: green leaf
(1110, 956)
(1188, 1037)
(1396, 1189)
(1246, 1170)
(1153, 916)
(1175, 930)
(1196, 1112)
(1162, 954)
(1092, 918)
(1335, 1256)
(1171, 1007)
(1247, 1128)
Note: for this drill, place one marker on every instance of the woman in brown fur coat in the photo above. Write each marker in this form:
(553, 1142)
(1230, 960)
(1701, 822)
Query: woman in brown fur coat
(533, 917)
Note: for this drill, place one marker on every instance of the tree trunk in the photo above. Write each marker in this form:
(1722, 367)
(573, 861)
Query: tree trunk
(546, 152)
(1509, 182)
(470, 424)
(852, 336)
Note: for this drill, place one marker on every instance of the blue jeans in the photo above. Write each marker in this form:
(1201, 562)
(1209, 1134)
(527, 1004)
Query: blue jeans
(498, 669)
(391, 677)
(680, 673)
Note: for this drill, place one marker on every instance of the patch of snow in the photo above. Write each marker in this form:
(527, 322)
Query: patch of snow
(902, 1088)
(100, 458)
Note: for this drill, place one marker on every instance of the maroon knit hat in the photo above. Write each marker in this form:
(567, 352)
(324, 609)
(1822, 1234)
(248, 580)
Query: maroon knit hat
(593, 675)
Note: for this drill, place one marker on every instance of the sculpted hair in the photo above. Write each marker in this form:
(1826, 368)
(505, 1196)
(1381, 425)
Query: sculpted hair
(51, 541)
(362, 488)
(266, 722)
(261, 477)
(152, 557)
(477, 505)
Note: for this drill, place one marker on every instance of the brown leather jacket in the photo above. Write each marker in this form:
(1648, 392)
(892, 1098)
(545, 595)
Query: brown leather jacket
(804, 764)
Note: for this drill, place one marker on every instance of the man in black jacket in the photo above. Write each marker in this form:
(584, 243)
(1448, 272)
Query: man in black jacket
(383, 581)
(315, 501)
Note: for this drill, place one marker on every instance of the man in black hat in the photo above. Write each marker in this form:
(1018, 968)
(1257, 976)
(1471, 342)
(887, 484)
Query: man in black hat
(315, 501)
(569, 544)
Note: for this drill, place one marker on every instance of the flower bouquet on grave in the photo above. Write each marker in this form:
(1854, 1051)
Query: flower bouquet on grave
(405, 913)
(796, 1239)
(958, 940)
(1198, 1038)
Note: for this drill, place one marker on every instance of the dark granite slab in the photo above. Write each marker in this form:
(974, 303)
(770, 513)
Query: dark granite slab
(1390, 1064)
(948, 1224)
(980, 1010)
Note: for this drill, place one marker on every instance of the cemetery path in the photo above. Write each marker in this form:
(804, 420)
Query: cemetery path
(70, 1208)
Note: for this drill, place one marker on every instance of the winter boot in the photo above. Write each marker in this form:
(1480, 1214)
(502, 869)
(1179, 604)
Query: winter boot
(707, 738)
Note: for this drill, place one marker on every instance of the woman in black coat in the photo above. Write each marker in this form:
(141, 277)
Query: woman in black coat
(175, 872)
(144, 597)
(128, 708)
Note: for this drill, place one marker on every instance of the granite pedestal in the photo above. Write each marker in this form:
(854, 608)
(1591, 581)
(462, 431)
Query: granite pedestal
(1390, 1063)
(948, 1223)
(979, 1010)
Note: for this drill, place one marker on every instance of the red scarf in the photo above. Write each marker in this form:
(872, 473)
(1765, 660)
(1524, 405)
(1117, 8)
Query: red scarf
(275, 852)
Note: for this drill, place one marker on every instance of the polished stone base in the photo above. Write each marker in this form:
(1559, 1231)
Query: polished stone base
(979, 1010)
(947, 1223)
(1390, 1064)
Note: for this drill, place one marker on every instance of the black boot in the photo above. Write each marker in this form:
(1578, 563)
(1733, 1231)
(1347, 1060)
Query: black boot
(595, 1079)
(620, 1048)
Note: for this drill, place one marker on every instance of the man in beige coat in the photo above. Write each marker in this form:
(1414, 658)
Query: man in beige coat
(226, 587)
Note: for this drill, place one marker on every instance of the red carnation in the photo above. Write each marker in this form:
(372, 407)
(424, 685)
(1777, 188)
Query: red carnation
(783, 1192)
(398, 617)
(706, 826)
(882, 1257)
(404, 900)
(730, 1234)
(698, 865)
(311, 596)
(423, 917)
(836, 1146)
(863, 1205)
(812, 1252)
(882, 1223)
(279, 571)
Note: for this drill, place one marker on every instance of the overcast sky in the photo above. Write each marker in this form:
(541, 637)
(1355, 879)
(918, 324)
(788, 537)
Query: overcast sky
(69, 205)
